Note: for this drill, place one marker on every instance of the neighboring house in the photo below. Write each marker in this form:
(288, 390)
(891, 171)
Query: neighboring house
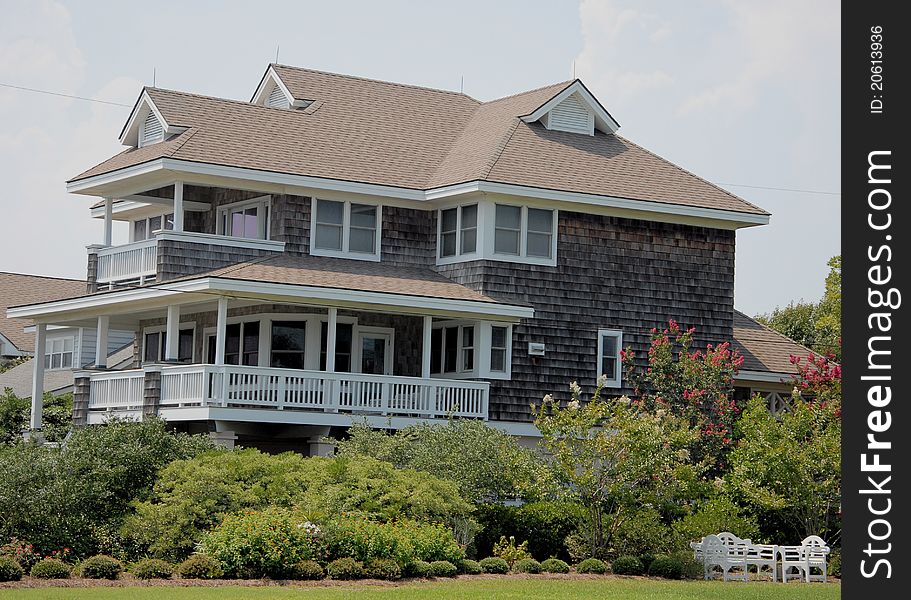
(56, 381)
(66, 347)
(341, 248)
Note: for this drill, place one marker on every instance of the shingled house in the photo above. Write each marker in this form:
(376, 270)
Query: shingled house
(340, 248)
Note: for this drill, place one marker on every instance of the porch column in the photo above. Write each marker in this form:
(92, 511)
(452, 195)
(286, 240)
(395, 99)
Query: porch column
(178, 206)
(425, 348)
(172, 333)
(108, 220)
(38, 377)
(330, 340)
(221, 324)
(101, 342)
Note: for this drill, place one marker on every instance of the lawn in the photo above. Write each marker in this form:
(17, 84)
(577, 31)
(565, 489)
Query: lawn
(610, 588)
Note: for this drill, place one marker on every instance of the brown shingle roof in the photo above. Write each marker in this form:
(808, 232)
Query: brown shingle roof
(417, 138)
(764, 349)
(17, 289)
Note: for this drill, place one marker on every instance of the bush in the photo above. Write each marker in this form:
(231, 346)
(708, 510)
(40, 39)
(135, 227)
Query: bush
(200, 566)
(646, 560)
(508, 551)
(668, 567)
(10, 569)
(383, 568)
(544, 524)
(345, 568)
(469, 567)
(495, 565)
(554, 565)
(100, 566)
(309, 570)
(692, 568)
(718, 514)
(443, 568)
(834, 563)
(152, 568)
(527, 565)
(404, 541)
(592, 565)
(643, 533)
(21, 552)
(51, 568)
(627, 565)
(420, 568)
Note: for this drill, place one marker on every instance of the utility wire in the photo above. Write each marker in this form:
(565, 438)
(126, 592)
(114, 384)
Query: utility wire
(62, 95)
(778, 189)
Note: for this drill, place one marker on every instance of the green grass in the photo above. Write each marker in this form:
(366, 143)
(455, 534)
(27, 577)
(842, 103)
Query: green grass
(488, 589)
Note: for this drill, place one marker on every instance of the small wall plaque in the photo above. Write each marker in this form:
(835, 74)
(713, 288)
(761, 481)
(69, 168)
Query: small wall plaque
(535, 349)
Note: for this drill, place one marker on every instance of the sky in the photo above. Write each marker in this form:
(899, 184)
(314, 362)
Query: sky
(742, 93)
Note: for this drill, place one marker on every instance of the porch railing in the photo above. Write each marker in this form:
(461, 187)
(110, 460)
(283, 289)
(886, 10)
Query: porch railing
(117, 390)
(130, 262)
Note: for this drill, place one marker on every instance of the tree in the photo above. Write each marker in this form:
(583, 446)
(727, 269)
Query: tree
(613, 457)
(15, 411)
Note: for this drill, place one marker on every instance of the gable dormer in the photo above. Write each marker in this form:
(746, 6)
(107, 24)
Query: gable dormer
(146, 125)
(151, 130)
(574, 110)
(273, 93)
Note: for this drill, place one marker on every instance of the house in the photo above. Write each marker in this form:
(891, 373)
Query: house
(66, 347)
(340, 248)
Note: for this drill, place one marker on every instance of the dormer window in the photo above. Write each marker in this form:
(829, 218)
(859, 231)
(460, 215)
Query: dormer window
(277, 99)
(572, 115)
(151, 130)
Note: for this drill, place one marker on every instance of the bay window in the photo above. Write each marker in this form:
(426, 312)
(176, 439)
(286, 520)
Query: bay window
(458, 231)
(345, 229)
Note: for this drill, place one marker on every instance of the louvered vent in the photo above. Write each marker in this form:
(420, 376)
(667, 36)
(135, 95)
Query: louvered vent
(151, 130)
(277, 99)
(572, 115)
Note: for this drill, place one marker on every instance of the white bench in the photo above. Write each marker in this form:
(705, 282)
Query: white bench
(734, 556)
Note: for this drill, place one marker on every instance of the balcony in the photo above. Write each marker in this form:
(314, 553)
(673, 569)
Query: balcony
(188, 387)
(129, 263)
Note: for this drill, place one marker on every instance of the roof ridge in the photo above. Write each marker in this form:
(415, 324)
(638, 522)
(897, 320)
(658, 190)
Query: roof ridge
(688, 172)
(537, 89)
(373, 80)
(43, 276)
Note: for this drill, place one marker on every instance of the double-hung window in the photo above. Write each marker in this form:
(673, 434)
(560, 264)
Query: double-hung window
(248, 219)
(345, 229)
(458, 231)
(58, 353)
(610, 341)
(499, 340)
(521, 231)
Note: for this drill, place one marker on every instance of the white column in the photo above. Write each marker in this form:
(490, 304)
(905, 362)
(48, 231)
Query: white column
(172, 333)
(425, 348)
(38, 376)
(330, 340)
(178, 206)
(221, 324)
(101, 343)
(108, 220)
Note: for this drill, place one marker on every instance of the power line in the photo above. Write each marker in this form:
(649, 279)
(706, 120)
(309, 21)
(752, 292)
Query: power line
(778, 189)
(49, 93)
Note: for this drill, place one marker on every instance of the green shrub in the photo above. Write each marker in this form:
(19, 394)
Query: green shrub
(100, 566)
(554, 565)
(420, 568)
(383, 568)
(21, 552)
(152, 568)
(691, 568)
(200, 566)
(51, 568)
(405, 541)
(10, 569)
(443, 568)
(309, 570)
(544, 524)
(834, 563)
(646, 560)
(642, 533)
(495, 565)
(345, 568)
(667, 567)
(627, 565)
(718, 514)
(592, 565)
(509, 551)
(469, 567)
(527, 565)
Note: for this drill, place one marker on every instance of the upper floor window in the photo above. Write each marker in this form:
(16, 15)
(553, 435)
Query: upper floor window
(145, 228)
(58, 353)
(458, 231)
(247, 219)
(610, 341)
(345, 229)
(524, 232)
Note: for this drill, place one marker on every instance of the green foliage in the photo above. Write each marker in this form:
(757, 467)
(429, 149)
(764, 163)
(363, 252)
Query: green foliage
(668, 567)
(719, 513)
(691, 568)
(419, 568)
(200, 566)
(627, 565)
(10, 569)
(15, 413)
(544, 524)
(494, 565)
(443, 568)
(592, 565)
(797, 321)
(309, 570)
(487, 464)
(22, 552)
(509, 551)
(527, 565)
(192, 496)
(554, 565)
(152, 568)
(51, 568)
(345, 568)
(834, 562)
(643, 531)
(467, 566)
(383, 568)
(100, 566)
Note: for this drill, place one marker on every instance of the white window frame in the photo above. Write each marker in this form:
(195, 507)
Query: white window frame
(459, 254)
(49, 353)
(523, 256)
(617, 381)
(162, 348)
(147, 219)
(460, 372)
(507, 361)
(264, 225)
(346, 231)
(358, 333)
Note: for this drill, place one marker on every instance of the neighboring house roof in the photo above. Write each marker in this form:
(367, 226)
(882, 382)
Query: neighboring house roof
(17, 289)
(390, 134)
(764, 349)
(19, 378)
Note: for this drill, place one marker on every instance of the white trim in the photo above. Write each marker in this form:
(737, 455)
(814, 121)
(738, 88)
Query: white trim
(357, 349)
(460, 372)
(130, 134)
(346, 231)
(145, 206)
(181, 326)
(617, 380)
(261, 95)
(220, 240)
(603, 120)
(459, 256)
(764, 377)
(263, 204)
(486, 343)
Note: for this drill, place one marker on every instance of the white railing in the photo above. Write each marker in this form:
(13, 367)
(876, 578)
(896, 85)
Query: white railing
(289, 389)
(131, 262)
(117, 390)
